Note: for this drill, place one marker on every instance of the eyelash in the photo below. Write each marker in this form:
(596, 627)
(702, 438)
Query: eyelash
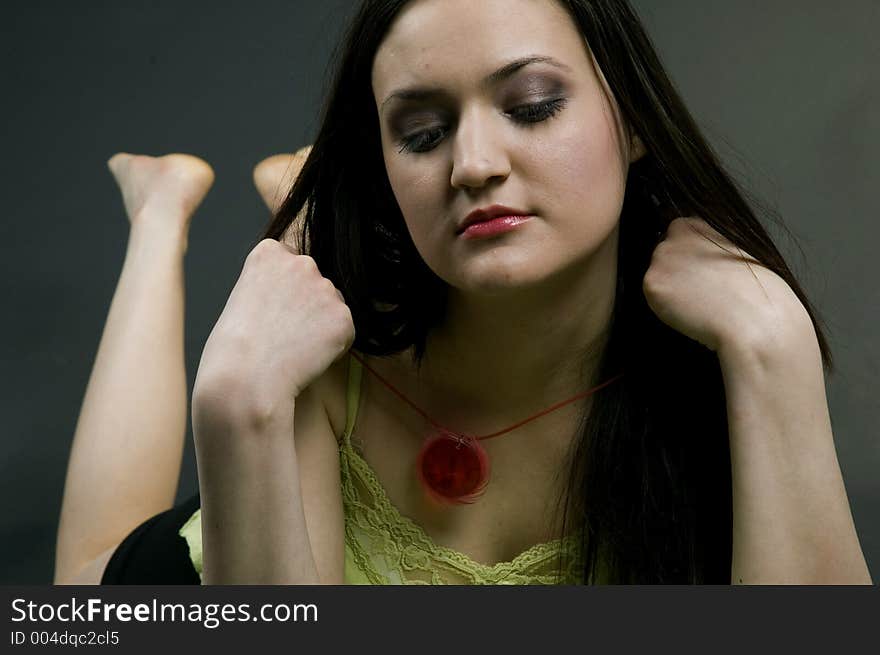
(529, 114)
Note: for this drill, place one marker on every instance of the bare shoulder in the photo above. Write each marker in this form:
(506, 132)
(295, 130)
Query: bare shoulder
(330, 389)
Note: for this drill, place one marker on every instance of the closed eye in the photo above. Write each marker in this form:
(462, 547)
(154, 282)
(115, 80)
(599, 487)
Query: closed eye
(537, 112)
(529, 114)
(421, 141)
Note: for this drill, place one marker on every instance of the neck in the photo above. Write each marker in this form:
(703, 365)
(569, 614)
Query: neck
(501, 357)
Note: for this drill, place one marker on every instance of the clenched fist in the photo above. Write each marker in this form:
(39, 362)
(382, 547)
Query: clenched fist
(283, 326)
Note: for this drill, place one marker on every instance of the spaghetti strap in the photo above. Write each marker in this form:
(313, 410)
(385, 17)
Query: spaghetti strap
(355, 372)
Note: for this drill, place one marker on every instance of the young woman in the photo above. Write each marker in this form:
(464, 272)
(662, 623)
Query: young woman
(527, 330)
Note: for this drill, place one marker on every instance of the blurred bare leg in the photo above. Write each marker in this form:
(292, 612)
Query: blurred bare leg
(125, 459)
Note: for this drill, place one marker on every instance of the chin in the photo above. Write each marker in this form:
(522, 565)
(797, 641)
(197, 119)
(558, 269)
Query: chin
(500, 282)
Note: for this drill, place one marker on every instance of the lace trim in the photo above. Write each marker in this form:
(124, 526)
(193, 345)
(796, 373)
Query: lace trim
(192, 532)
(390, 548)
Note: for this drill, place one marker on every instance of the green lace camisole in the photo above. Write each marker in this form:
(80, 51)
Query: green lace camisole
(384, 547)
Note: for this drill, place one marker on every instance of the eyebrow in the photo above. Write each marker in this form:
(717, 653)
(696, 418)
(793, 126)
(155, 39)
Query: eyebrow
(506, 71)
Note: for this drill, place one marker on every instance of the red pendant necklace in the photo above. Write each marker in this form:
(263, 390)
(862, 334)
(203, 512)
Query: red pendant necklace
(453, 466)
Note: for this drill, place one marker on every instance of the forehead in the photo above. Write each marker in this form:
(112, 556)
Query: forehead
(461, 41)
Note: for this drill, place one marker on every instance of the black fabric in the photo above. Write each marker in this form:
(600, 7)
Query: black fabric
(154, 553)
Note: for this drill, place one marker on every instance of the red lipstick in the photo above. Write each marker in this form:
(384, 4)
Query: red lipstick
(489, 221)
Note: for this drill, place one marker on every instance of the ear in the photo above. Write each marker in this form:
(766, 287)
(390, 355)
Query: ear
(637, 149)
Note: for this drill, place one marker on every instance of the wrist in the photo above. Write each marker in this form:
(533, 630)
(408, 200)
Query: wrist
(767, 344)
(230, 410)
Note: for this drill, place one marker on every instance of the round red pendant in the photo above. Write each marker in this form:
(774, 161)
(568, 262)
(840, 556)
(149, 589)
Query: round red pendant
(453, 468)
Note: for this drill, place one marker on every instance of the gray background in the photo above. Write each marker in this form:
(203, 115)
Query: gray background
(788, 92)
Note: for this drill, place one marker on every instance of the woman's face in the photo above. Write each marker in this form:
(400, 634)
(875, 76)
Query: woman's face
(497, 103)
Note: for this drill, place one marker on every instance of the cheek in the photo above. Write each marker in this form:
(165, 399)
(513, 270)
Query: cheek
(417, 189)
(582, 171)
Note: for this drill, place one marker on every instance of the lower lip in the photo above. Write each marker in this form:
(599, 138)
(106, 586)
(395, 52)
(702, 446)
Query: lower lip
(498, 225)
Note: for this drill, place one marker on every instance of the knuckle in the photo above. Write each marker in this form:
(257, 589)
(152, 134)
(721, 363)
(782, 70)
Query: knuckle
(256, 251)
(345, 313)
(344, 337)
(263, 251)
(342, 316)
(266, 245)
(306, 263)
(652, 282)
(676, 224)
(658, 251)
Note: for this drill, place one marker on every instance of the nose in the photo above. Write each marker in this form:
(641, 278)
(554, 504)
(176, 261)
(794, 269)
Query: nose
(479, 152)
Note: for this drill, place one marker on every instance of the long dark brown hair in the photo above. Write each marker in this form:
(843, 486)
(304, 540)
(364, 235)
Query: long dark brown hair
(649, 488)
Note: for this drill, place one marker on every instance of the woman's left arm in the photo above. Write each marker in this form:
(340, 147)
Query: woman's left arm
(791, 518)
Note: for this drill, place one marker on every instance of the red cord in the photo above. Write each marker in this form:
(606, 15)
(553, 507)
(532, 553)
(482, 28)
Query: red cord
(494, 434)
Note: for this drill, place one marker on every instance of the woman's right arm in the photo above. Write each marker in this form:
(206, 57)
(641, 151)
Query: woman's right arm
(271, 496)
(283, 327)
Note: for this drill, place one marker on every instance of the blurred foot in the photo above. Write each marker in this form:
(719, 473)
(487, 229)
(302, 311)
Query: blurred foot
(164, 191)
(274, 176)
